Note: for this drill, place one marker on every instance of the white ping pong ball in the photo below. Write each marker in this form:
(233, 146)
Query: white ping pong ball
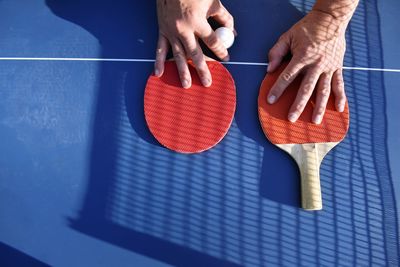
(226, 36)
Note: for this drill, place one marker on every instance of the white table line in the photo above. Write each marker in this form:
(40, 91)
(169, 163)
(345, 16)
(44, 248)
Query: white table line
(152, 61)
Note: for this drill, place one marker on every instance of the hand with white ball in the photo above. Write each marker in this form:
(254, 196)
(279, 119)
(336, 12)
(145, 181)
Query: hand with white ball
(181, 24)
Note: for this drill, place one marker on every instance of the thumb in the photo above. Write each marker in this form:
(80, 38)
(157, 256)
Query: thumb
(278, 52)
(223, 17)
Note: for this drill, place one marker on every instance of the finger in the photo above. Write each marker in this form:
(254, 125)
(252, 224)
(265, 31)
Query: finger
(181, 63)
(323, 93)
(161, 55)
(207, 34)
(285, 78)
(278, 52)
(338, 90)
(223, 17)
(303, 95)
(193, 50)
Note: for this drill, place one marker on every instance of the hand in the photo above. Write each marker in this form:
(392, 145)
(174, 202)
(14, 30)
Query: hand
(181, 23)
(317, 44)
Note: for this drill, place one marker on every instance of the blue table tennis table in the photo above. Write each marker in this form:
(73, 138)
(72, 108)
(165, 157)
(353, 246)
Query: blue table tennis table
(84, 183)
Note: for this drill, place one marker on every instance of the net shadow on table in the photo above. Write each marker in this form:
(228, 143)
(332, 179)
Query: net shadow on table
(225, 207)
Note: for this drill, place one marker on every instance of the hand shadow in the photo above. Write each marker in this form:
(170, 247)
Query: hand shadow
(279, 179)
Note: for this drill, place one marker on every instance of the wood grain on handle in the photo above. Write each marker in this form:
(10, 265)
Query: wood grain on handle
(309, 158)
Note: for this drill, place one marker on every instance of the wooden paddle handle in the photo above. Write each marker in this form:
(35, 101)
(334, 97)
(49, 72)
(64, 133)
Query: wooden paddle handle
(309, 157)
(309, 163)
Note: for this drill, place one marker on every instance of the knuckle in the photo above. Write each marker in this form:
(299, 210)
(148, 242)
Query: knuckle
(286, 76)
(308, 51)
(179, 55)
(230, 19)
(218, 5)
(320, 63)
(301, 60)
(217, 47)
(282, 38)
(336, 82)
(212, 41)
(325, 91)
(159, 51)
(185, 40)
(219, 51)
(226, 16)
(160, 56)
(308, 90)
(179, 28)
(214, 46)
(176, 24)
(298, 108)
(329, 75)
(339, 85)
(194, 54)
(202, 68)
(303, 101)
(322, 58)
(306, 60)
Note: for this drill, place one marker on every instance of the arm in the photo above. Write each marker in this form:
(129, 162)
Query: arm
(181, 23)
(317, 44)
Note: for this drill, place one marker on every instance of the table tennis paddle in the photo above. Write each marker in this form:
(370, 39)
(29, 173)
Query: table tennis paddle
(306, 142)
(190, 120)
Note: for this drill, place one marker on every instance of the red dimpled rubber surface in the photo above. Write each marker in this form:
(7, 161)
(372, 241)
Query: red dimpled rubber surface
(190, 120)
(279, 130)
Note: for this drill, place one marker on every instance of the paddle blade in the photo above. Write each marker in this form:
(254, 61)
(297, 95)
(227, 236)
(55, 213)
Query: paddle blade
(279, 130)
(190, 120)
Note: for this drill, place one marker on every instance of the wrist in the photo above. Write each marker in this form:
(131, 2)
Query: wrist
(340, 10)
(328, 22)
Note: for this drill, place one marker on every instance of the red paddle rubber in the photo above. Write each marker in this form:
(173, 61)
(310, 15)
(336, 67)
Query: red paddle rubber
(190, 120)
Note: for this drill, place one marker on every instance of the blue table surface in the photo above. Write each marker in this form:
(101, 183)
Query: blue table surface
(83, 182)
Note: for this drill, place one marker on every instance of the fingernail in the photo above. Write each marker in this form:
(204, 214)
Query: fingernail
(341, 107)
(206, 82)
(269, 67)
(271, 99)
(318, 119)
(157, 72)
(227, 58)
(292, 117)
(185, 84)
